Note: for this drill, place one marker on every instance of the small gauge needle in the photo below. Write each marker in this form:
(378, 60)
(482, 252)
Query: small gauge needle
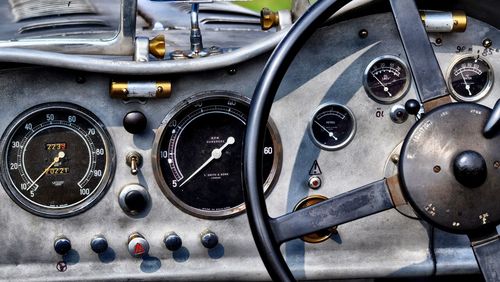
(60, 155)
(216, 154)
(467, 86)
(386, 89)
(329, 132)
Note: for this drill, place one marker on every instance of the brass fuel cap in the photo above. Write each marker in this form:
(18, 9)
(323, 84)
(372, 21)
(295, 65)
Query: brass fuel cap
(448, 169)
(321, 235)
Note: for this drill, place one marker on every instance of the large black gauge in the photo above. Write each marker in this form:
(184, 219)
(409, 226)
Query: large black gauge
(197, 156)
(332, 126)
(58, 160)
(470, 78)
(386, 79)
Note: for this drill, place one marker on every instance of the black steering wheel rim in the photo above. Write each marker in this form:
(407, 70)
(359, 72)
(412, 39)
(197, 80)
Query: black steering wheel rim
(263, 97)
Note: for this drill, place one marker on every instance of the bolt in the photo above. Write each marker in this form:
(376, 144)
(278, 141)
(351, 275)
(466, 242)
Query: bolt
(231, 71)
(159, 90)
(496, 164)
(125, 91)
(363, 33)
(439, 41)
(487, 43)
(437, 169)
(395, 158)
(80, 79)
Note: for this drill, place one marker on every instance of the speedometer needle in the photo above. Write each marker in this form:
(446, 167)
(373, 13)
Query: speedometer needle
(386, 89)
(327, 131)
(216, 154)
(60, 155)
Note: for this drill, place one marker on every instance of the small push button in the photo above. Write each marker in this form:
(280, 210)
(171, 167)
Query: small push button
(62, 245)
(138, 246)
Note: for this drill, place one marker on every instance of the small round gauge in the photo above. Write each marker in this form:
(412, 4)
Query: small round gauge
(386, 79)
(332, 126)
(470, 78)
(197, 155)
(58, 160)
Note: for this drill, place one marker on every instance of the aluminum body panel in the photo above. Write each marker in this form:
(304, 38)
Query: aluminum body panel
(329, 69)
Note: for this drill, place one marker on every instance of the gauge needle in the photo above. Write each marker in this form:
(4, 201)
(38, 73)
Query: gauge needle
(60, 155)
(467, 86)
(329, 132)
(216, 154)
(386, 89)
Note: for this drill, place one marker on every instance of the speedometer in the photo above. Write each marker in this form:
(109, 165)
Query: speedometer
(57, 160)
(197, 155)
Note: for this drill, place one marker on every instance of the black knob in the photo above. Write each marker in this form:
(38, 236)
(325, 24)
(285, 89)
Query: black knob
(412, 106)
(209, 239)
(136, 201)
(135, 122)
(173, 242)
(99, 244)
(470, 169)
(62, 245)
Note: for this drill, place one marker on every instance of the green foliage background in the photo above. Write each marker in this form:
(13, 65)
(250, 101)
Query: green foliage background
(274, 5)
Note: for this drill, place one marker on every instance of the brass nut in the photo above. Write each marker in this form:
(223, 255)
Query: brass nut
(268, 19)
(157, 46)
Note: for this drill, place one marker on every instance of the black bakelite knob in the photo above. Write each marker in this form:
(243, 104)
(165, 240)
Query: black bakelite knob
(99, 244)
(135, 122)
(172, 242)
(136, 201)
(62, 245)
(209, 239)
(470, 169)
(412, 106)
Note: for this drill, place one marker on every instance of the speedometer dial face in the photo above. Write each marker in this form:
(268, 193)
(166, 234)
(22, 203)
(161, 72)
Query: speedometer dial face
(197, 155)
(470, 78)
(57, 160)
(386, 79)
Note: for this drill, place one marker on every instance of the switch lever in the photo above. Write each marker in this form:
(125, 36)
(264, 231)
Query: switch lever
(134, 161)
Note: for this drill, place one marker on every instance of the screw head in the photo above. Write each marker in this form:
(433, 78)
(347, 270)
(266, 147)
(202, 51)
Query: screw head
(487, 43)
(363, 33)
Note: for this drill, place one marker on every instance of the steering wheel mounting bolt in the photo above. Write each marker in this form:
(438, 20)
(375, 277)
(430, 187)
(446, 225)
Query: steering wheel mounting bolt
(314, 182)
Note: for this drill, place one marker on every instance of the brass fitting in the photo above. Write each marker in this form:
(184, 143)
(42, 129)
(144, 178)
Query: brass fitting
(157, 46)
(140, 89)
(455, 21)
(268, 19)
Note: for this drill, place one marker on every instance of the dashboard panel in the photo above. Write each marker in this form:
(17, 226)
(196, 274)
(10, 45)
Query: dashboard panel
(329, 70)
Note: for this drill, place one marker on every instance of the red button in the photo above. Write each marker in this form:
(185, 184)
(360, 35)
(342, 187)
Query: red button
(139, 249)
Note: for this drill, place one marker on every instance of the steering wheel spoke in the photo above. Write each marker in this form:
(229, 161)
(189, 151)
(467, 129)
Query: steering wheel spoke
(355, 204)
(431, 85)
(486, 247)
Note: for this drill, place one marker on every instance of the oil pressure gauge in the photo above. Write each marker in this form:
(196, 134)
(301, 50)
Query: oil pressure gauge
(386, 79)
(332, 126)
(470, 78)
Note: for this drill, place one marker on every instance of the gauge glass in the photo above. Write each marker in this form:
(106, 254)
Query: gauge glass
(386, 79)
(470, 78)
(197, 155)
(57, 160)
(332, 126)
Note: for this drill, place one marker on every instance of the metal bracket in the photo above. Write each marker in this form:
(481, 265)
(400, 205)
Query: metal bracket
(121, 44)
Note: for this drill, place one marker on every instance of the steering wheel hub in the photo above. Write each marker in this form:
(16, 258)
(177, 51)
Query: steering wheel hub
(447, 168)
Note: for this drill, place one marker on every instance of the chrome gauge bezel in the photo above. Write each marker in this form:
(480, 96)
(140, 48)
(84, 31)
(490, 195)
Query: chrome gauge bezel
(400, 94)
(166, 189)
(480, 95)
(73, 209)
(349, 138)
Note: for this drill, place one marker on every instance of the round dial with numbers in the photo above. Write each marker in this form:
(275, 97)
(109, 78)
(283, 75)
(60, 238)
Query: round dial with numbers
(470, 78)
(332, 126)
(57, 160)
(386, 79)
(198, 151)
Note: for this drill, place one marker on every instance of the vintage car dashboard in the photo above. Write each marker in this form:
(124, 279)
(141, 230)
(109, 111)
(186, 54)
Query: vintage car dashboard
(81, 166)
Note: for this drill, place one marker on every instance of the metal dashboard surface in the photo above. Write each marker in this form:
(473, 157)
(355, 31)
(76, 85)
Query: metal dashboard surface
(328, 69)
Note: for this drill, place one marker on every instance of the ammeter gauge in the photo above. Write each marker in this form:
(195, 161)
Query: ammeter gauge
(58, 160)
(470, 78)
(332, 126)
(386, 79)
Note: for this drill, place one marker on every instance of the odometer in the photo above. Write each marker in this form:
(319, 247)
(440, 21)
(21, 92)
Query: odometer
(57, 160)
(197, 155)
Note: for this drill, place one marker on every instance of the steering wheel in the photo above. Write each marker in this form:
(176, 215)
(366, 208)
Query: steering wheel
(455, 186)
